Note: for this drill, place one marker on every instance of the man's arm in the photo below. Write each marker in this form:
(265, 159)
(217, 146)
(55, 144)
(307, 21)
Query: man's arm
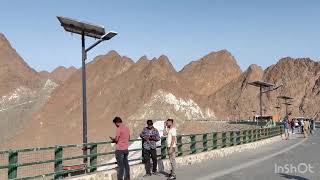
(142, 134)
(165, 132)
(116, 139)
(157, 136)
(173, 140)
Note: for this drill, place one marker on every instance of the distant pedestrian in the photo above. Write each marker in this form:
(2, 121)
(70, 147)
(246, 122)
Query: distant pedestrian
(171, 134)
(286, 128)
(311, 126)
(122, 143)
(292, 125)
(150, 136)
(302, 125)
(306, 128)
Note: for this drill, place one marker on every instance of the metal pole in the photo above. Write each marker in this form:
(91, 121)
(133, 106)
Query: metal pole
(286, 107)
(84, 100)
(260, 98)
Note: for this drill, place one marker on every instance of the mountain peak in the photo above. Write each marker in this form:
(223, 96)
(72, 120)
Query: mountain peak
(211, 72)
(4, 41)
(112, 53)
(143, 58)
(164, 61)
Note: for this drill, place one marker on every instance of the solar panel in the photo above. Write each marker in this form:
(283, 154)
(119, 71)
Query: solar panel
(260, 84)
(79, 27)
(285, 97)
(289, 104)
(109, 35)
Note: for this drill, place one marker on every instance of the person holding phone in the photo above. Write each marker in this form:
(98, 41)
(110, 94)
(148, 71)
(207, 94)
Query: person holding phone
(122, 144)
(150, 136)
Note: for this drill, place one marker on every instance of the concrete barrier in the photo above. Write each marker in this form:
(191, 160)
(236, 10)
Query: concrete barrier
(164, 165)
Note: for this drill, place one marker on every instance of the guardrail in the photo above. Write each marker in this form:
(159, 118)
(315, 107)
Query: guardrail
(48, 163)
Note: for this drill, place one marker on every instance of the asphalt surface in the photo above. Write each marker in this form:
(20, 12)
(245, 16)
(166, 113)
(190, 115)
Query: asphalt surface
(297, 159)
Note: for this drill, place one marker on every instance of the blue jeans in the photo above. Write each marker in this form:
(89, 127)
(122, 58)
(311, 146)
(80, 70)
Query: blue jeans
(123, 164)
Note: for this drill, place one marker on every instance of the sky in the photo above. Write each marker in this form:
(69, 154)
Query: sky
(255, 32)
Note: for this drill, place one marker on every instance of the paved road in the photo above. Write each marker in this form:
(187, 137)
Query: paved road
(268, 162)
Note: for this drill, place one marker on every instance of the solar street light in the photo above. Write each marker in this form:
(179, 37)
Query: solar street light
(94, 31)
(287, 102)
(262, 85)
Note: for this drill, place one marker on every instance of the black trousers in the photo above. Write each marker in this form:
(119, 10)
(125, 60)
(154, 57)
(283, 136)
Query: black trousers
(123, 164)
(146, 156)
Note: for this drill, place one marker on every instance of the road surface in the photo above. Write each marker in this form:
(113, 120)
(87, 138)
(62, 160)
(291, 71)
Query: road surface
(297, 158)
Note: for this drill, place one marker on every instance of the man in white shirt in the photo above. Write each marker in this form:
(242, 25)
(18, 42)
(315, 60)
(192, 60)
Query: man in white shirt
(171, 134)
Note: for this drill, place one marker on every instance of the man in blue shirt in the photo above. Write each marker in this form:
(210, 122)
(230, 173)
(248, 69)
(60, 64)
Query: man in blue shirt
(150, 136)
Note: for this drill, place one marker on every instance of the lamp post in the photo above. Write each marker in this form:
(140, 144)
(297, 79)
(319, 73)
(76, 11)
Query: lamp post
(278, 112)
(286, 102)
(261, 86)
(94, 31)
(264, 87)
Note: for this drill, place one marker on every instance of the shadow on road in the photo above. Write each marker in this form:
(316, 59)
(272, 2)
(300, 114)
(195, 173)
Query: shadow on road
(287, 176)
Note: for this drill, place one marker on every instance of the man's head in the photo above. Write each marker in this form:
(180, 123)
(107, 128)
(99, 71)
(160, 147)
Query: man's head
(149, 124)
(169, 123)
(117, 121)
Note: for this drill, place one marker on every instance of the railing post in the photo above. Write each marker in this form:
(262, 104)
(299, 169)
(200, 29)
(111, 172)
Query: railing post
(268, 135)
(263, 133)
(280, 130)
(231, 138)
(258, 134)
(244, 136)
(251, 135)
(193, 144)
(224, 139)
(214, 140)
(254, 135)
(163, 147)
(238, 135)
(271, 132)
(205, 142)
(179, 143)
(93, 157)
(58, 151)
(13, 161)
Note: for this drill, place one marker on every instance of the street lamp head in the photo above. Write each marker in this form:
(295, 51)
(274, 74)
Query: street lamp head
(108, 35)
(81, 27)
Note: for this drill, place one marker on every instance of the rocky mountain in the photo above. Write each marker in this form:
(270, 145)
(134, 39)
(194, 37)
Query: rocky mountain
(22, 90)
(237, 98)
(59, 75)
(211, 88)
(300, 80)
(210, 73)
(116, 87)
(14, 71)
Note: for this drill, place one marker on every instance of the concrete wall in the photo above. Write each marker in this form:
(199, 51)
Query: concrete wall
(138, 170)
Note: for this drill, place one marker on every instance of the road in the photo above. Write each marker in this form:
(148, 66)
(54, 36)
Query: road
(296, 158)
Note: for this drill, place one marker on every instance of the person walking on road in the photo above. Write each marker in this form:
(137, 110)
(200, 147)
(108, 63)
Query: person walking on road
(171, 134)
(286, 128)
(292, 123)
(150, 136)
(306, 128)
(122, 143)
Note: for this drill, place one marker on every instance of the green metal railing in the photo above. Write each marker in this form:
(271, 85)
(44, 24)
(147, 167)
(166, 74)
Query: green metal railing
(17, 164)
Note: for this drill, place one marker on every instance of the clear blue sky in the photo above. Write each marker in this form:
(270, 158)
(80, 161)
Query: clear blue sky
(255, 32)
